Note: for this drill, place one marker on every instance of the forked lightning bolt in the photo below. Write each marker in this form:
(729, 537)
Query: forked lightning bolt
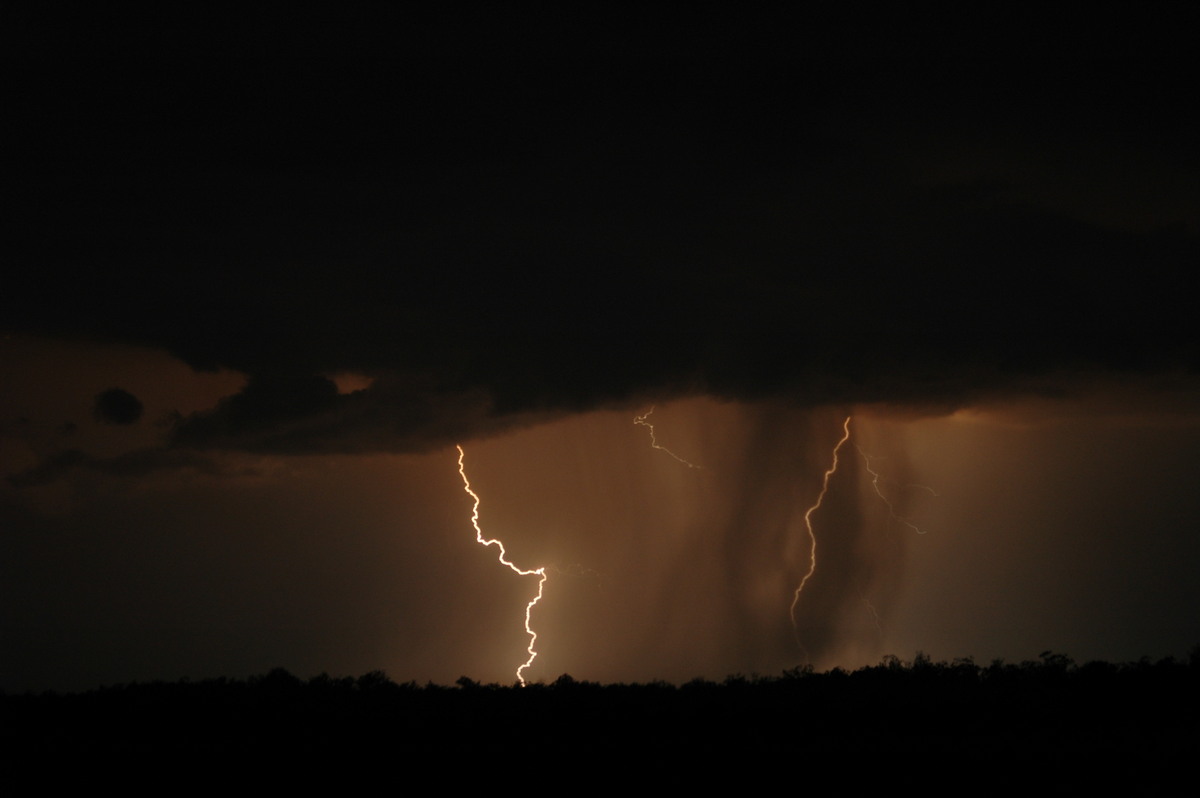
(875, 477)
(654, 441)
(812, 554)
(538, 572)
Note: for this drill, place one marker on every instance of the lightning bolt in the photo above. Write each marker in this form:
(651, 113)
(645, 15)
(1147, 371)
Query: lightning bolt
(892, 510)
(654, 441)
(812, 554)
(874, 614)
(538, 572)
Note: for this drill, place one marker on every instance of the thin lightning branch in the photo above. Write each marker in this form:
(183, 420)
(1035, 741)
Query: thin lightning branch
(874, 614)
(539, 572)
(576, 570)
(812, 562)
(654, 441)
(875, 484)
(906, 485)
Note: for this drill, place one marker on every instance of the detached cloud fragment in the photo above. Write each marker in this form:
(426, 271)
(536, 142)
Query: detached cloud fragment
(139, 463)
(117, 406)
(291, 414)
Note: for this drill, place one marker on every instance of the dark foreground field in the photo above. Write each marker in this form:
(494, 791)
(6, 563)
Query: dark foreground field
(956, 725)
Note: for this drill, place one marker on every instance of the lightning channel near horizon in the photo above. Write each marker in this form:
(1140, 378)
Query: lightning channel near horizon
(874, 614)
(502, 557)
(641, 420)
(812, 537)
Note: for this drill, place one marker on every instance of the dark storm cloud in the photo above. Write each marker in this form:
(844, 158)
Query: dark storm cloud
(117, 406)
(982, 302)
(511, 241)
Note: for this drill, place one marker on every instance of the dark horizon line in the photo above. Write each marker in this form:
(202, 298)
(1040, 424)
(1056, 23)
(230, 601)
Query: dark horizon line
(281, 677)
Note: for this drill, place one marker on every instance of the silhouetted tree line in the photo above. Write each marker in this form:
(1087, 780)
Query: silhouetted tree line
(1141, 713)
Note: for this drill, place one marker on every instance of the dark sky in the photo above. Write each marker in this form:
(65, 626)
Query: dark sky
(261, 278)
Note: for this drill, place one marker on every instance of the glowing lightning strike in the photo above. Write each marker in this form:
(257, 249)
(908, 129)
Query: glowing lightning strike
(875, 484)
(539, 572)
(654, 441)
(812, 562)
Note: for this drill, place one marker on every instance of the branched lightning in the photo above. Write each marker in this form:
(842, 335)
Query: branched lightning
(538, 572)
(812, 561)
(875, 478)
(654, 441)
(892, 510)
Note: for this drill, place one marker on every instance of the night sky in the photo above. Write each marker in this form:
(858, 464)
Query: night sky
(259, 284)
